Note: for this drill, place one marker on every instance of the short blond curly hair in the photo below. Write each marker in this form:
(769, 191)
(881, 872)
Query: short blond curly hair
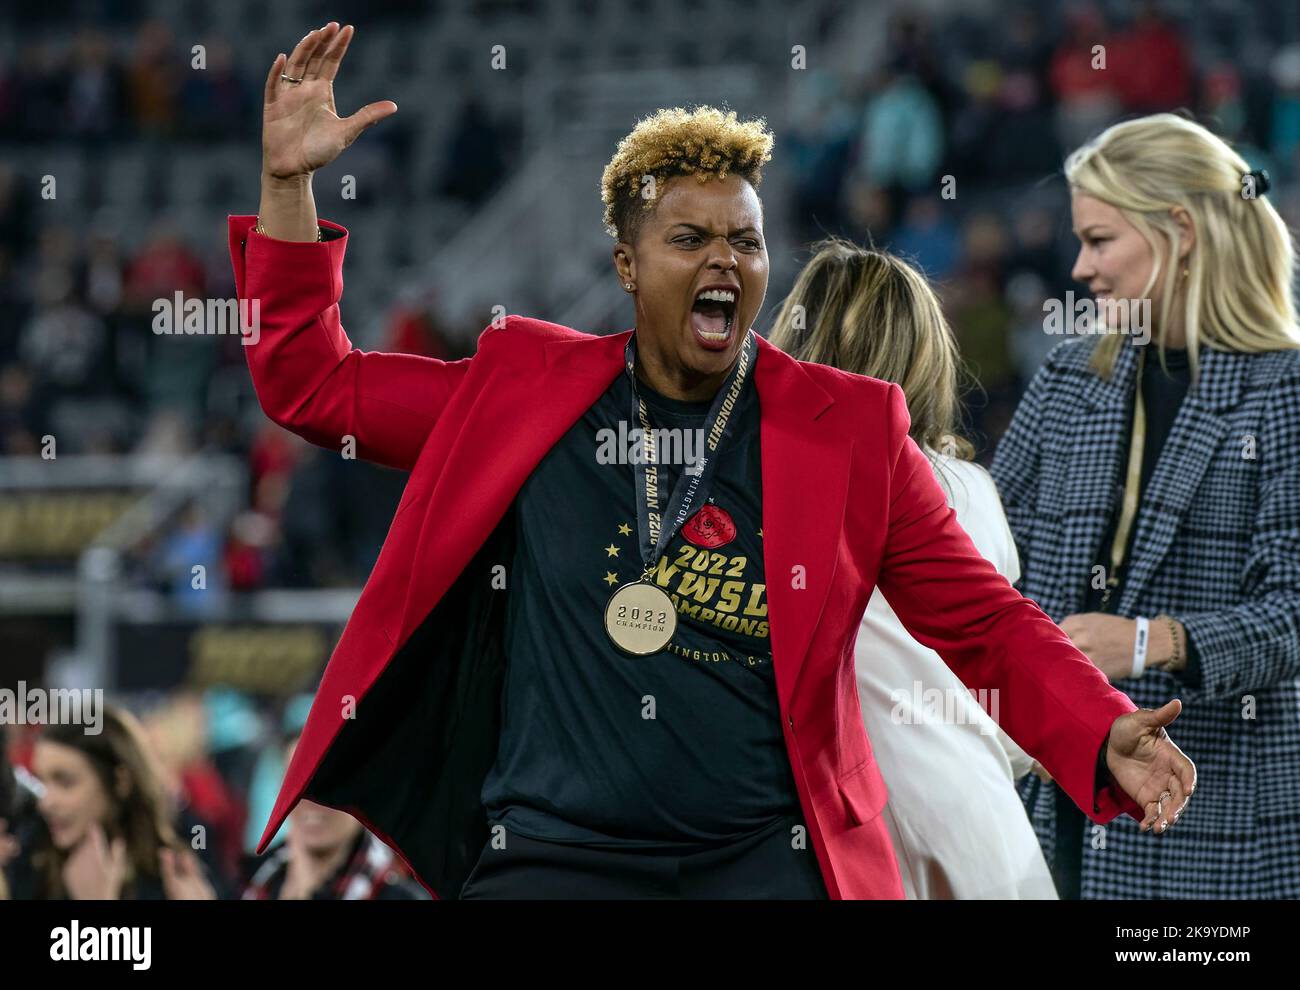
(703, 142)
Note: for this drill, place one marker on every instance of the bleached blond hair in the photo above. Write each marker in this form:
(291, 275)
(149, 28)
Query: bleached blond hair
(704, 142)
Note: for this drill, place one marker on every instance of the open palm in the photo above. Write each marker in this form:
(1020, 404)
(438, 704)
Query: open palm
(1153, 771)
(301, 131)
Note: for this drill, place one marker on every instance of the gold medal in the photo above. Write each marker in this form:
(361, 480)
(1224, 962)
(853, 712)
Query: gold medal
(640, 618)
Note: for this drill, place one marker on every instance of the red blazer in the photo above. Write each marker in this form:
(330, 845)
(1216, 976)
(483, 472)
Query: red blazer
(849, 503)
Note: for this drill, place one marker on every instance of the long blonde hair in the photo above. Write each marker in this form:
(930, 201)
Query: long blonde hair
(869, 312)
(1240, 270)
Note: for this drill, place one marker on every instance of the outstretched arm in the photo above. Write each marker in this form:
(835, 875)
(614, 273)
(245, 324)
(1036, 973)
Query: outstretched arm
(307, 375)
(1052, 701)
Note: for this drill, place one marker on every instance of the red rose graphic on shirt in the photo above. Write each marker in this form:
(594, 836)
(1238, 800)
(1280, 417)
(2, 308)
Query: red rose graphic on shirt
(711, 527)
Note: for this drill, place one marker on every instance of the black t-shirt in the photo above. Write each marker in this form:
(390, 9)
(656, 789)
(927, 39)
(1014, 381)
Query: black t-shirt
(1162, 397)
(680, 748)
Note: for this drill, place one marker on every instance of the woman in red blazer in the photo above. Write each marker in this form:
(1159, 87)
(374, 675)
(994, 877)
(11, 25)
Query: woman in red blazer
(583, 668)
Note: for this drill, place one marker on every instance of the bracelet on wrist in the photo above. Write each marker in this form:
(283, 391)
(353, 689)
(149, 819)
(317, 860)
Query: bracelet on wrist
(258, 229)
(1140, 644)
(1177, 659)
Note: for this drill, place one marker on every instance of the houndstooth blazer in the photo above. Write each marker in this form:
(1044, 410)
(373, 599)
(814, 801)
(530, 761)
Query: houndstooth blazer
(1218, 547)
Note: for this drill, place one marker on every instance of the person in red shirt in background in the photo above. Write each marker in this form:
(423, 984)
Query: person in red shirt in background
(1151, 64)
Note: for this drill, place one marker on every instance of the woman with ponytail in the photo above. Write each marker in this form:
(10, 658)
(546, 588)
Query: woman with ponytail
(1151, 476)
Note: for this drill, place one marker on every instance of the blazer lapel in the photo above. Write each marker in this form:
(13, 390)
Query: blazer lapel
(1197, 431)
(1095, 461)
(515, 422)
(805, 470)
(516, 419)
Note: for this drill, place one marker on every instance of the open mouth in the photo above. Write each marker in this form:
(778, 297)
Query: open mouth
(713, 315)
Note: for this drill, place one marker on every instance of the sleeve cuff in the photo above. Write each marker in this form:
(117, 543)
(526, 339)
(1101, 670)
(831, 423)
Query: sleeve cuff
(1109, 798)
(1191, 672)
(242, 226)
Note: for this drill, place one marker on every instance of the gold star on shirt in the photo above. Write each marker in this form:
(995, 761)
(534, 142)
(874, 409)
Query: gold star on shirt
(624, 529)
(611, 578)
(760, 531)
(611, 550)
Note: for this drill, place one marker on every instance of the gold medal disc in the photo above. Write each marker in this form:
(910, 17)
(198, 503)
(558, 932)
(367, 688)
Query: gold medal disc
(640, 618)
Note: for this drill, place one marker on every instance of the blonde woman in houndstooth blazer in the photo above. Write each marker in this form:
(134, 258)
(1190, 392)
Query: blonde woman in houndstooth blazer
(958, 827)
(1163, 535)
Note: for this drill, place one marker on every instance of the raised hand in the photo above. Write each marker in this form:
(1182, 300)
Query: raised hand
(96, 868)
(301, 131)
(1149, 767)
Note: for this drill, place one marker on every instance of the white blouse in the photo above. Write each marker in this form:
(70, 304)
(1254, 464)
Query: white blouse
(958, 826)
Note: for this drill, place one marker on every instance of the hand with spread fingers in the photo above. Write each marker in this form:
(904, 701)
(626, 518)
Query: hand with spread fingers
(301, 131)
(1154, 772)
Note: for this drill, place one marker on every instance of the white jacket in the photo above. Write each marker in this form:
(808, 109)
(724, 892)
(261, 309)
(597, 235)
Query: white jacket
(958, 826)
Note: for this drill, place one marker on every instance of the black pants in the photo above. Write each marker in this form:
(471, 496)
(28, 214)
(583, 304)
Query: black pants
(1071, 833)
(764, 866)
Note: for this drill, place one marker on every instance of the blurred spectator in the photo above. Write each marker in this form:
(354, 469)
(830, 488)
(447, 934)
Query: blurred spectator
(189, 562)
(110, 834)
(1087, 93)
(246, 559)
(929, 237)
(103, 272)
(1284, 126)
(1028, 344)
(818, 146)
(63, 342)
(980, 314)
(1151, 62)
(95, 88)
(902, 132)
(208, 816)
(164, 266)
(329, 856)
(414, 327)
(21, 826)
(154, 74)
(215, 101)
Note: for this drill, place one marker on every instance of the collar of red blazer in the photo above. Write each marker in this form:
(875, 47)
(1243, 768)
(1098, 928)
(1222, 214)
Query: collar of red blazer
(805, 471)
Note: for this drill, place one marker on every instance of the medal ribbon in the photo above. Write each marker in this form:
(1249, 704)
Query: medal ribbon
(1128, 510)
(692, 487)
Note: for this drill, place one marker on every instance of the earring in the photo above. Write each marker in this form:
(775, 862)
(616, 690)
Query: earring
(628, 286)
